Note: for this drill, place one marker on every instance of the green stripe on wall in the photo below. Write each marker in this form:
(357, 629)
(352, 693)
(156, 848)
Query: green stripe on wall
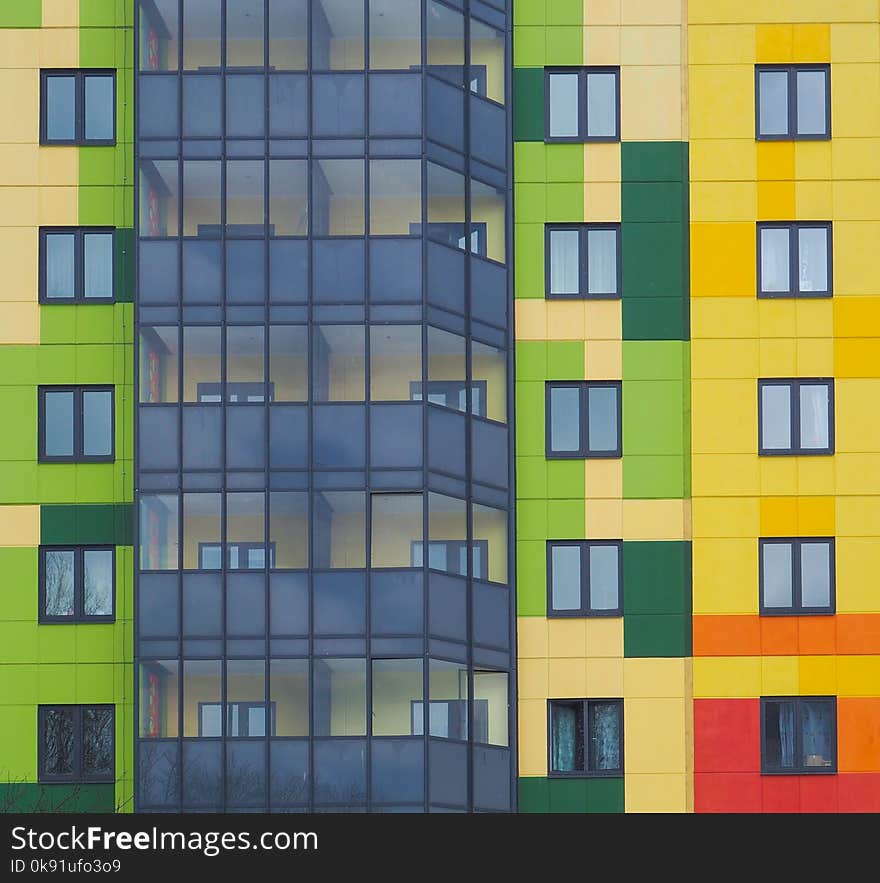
(528, 104)
(36, 797)
(109, 524)
(538, 794)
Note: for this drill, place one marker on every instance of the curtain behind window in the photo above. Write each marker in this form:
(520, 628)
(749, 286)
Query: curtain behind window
(564, 262)
(786, 733)
(564, 726)
(604, 736)
(775, 262)
(816, 729)
(602, 261)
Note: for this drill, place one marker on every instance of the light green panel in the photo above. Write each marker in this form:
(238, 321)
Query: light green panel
(21, 13)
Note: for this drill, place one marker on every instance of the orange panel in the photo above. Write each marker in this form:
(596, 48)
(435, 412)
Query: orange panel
(779, 635)
(816, 635)
(858, 633)
(858, 734)
(727, 635)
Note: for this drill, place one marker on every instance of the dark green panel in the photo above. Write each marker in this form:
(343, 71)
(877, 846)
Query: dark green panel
(654, 259)
(33, 797)
(652, 202)
(123, 247)
(656, 577)
(528, 104)
(543, 795)
(109, 524)
(650, 635)
(655, 318)
(654, 161)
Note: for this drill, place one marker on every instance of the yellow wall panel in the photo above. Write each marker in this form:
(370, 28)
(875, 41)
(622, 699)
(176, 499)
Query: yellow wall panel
(603, 359)
(59, 47)
(604, 519)
(717, 358)
(725, 44)
(532, 639)
(722, 101)
(567, 637)
(565, 319)
(811, 43)
(723, 160)
(856, 357)
(19, 251)
(858, 473)
(656, 520)
(723, 260)
(602, 201)
(726, 676)
(855, 42)
(818, 675)
(657, 792)
(602, 12)
(19, 48)
(532, 737)
(777, 317)
(856, 200)
(779, 676)
(777, 356)
(726, 418)
(773, 44)
(531, 318)
(814, 317)
(532, 679)
(723, 317)
(58, 206)
(602, 162)
(775, 160)
(601, 45)
(858, 415)
(655, 678)
(779, 516)
(605, 678)
(858, 675)
(813, 160)
(852, 241)
(853, 116)
(651, 12)
(19, 323)
(640, 45)
(817, 476)
(723, 11)
(19, 165)
(814, 358)
(22, 204)
(776, 200)
(567, 678)
(604, 637)
(723, 200)
(726, 517)
(853, 316)
(19, 525)
(816, 516)
(654, 739)
(726, 575)
(650, 103)
(603, 320)
(858, 517)
(59, 166)
(724, 474)
(813, 200)
(60, 14)
(603, 479)
(855, 557)
(855, 159)
(778, 475)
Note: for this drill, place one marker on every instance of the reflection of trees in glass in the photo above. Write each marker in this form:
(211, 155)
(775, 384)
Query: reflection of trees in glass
(98, 582)
(59, 583)
(97, 740)
(59, 738)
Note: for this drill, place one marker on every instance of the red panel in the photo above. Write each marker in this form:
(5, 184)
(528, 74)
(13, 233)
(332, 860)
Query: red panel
(727, 792)
(727, 735)
(781, 793)
(858, 792)
(818, 793)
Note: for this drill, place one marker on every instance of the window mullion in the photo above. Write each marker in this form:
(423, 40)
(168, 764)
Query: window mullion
(586, 607)
(792, 103)
(583, 245)
(794, 256)
(78, 742)
(795, 415)
(585, 724)
(584, 400)
(79, 265)
(796, 576)
(583, 123)
(79, 105)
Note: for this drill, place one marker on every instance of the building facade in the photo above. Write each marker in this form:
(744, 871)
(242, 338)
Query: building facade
(440, 405)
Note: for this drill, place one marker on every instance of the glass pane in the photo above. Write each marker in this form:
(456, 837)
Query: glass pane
(201, 34)
(246, 531)
(288, 363)
(811, 106)
(815, 574)
(604, 726)
(98, 264)
(159, 363)
(58, 741)
(201, 532)
(777, 574)
(490, 707)
(158, 701)
(288, 197)
(564, 261)
(604, 577)
(245, 358)
(339, 529)
(97, 752)
(97, 423)
(564, 105)
(98, 582)
(158, 203)
(337, 35)
(448, 695)
(395, 361)
(446, 217)
(289, 529)
(776, 417)
(566, 737)
(445, 29)
(158, 532)
(817, 732)
(59, 567)
(246, 697)
(288, 35)
(395, 34)
(201, 364)
(289, 694)
(773, 98)
(60, 280)
(779, 735)
(813, 259)
(814, 416)
(487, 61)
(565, 419)
(338, 363)
(565, 577)
(58, 429)
(487, 221)
(338, 197)
(601, 105)
(446, 371)
(201, 199)
(157, 36)
(340, 697)
(602, 261)
(395, 197)
(202, 697)
(244, 33)
(397, 687)
(603, 419)
(775, 259)
(489, 544)
(447, 536)
(489, 385)
(100, 108)
(60, 108)
(396, 529)
(244, 197)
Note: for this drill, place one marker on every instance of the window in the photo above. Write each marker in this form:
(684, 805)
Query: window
(583, 104)
(239, 556)
(582, 261)
(76, 743)
(235, 392)
(584, 578)
(586, 737)
(76, 424)
(583, 420)
(799, 735)
(76, 265)
(451, 556)
(794, 260)
(793, 102)
(78, 107)
(77, 583)
(797, 575)
(448, 719)
(242, 719)
(452, 394)
(796, 416)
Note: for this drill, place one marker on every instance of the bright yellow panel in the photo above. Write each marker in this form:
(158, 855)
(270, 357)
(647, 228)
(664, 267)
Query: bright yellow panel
(532, 747)
(725, 575)
(721, 44)
(855, 159)
(856, 200)
(818, 675)
(852, 273)
(655, 736)
(640, 45)
(815, 517)
(773, 44)
(853, 315)
(723, 201)
(19, 525)
(816, 476)
(725, 474)
(720, 358)
(813, 160)
(775, 160)
(858, 517)
(858, 473)
(813, 199)
(809, 11)
(778, 476)
(814, 317)
(779, 516)
(724, 416)
(855, 557)
(858, 415)
(531, 634)
(725, 517)
(777, 356)
(605, 678)
(604, 637)
(566, 637)
(856, 357)
(602, 162)
(723, 260)
(776, 200)
(727, 677)
(855, 42)
(776, 318)
(815, 358)
(531, 318)
(853, 115)
(723, 159)
(601, 45)
(718, 317)
(811, 43)
(779, 676)
(657, 792)
(858, 675)
(651, 106)
(654, 678)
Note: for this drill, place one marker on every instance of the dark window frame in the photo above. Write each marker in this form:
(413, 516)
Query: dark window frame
(239, 546)
(583, 72)
(450, 386)
(586, 773)
(79, 265)
(794, 384)
(227, 724)
(584, 611)
(77, 775)
(583, 453)
(798, 769)
(792, 71)
(583, 292)
(79, 75)
(233, 387)
(475, 545)
(79, 616)
(480, 724)
(797, 608)
(793, 228)
(78, 431)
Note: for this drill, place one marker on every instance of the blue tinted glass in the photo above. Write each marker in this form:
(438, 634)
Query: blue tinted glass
(99, 110)
(60, 108)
